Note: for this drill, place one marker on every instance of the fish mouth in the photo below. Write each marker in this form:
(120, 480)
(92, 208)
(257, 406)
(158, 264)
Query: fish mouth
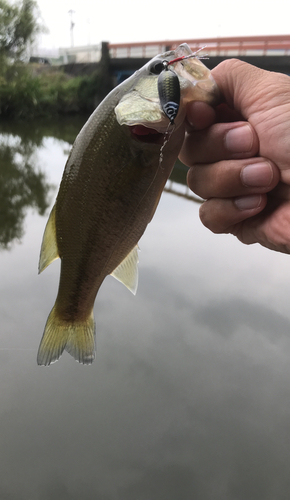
(146, 134)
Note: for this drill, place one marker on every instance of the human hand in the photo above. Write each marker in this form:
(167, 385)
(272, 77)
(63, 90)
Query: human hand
(239, 156)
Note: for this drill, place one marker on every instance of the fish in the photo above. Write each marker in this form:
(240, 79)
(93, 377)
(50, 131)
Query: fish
(112, 183)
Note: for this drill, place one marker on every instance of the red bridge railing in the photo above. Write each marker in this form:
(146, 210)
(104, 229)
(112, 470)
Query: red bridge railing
(227, 46)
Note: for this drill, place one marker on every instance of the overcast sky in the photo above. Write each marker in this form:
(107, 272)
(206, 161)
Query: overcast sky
(130, 21)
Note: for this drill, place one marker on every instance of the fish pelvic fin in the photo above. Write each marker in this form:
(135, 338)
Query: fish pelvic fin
(127, 271)
(49, 250)
(77, 338)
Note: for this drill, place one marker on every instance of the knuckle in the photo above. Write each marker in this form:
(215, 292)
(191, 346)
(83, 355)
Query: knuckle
(205, 216)
(196, 180)
(217, 216)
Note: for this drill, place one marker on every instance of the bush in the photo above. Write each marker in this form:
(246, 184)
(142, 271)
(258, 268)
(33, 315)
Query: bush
(19, 94)
(93, 89)
(27, 92)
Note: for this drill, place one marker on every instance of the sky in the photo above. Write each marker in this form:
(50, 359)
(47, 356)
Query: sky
(129, 21)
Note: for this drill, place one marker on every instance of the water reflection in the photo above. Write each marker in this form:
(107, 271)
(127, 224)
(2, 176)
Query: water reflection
(64, 128)
(23, 183)
(189, 396)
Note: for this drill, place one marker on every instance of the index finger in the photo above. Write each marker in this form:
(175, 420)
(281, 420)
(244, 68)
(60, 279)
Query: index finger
(199, 115)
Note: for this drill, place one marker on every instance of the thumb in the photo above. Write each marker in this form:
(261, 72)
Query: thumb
(263, 98)
(242, 85)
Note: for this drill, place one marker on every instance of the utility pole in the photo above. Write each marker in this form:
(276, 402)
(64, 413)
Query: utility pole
(72, 24)
(89, 39)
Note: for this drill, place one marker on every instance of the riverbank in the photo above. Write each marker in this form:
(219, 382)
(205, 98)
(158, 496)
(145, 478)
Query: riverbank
(35, 90)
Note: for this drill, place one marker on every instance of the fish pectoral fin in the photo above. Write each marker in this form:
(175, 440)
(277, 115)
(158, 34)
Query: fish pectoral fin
(77, 338)
(127, 271)
(49, 250)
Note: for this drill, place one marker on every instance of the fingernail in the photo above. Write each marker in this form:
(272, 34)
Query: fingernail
(248, 202)
(257, 175)
(239, 139)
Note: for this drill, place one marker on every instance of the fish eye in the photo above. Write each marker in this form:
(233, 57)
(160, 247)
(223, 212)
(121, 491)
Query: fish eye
(157, 67)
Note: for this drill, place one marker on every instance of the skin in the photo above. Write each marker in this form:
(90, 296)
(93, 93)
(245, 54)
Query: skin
(239, 155)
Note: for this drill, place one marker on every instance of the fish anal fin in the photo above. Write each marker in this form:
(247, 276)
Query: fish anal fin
(127, 271)
(49, 250)
(77, 338)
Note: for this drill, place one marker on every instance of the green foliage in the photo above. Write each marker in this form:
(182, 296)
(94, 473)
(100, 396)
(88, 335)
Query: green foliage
(26, 92)
(92, 89)
(18, 26)
(19, 93)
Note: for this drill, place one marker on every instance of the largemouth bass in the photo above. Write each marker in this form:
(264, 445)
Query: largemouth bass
(111, 186)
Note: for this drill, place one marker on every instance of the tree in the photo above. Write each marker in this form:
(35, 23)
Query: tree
(19, 25)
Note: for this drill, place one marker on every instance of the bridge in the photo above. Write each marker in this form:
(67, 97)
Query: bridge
(226, 46)
(267, 52)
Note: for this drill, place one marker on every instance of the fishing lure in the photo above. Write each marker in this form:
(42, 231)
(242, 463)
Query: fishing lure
(169, 86)
(169, 93)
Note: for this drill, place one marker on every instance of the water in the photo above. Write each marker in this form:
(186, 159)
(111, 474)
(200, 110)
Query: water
(189, 396)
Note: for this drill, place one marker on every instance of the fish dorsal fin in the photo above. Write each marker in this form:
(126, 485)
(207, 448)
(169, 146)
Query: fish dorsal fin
(49, 250)
(127, 271)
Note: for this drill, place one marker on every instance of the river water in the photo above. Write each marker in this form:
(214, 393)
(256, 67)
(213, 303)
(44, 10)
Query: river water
(189, 395)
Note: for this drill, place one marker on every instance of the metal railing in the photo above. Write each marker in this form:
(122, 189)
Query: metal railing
(226, 46)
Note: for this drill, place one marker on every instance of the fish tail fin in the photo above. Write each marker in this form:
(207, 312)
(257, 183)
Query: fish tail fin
(82, 340)
(77, 338)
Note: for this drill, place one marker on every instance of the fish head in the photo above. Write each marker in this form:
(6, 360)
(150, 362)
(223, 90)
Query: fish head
(140, 108)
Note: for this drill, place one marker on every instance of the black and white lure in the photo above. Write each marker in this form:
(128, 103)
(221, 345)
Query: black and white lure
(169, 92)
(169, 86)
